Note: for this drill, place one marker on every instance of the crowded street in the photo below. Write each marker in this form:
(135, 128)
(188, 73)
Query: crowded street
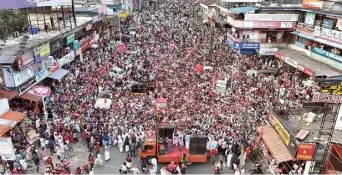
(101, 112)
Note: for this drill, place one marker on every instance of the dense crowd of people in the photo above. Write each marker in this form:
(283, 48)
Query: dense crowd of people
(163, 44)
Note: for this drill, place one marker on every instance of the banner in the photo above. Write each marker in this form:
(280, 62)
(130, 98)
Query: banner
(41, 52)
(41, 91)
(26, 60)
(47, 3)
(310, 18)
(6, 148)
(284, 134)
(17, 4)
(306, 151)
(161, 102)
(271, 17)
(312, 4)
(70, 39)
(327, 54)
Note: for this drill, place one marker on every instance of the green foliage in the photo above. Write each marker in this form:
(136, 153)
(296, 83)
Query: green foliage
(13, 20)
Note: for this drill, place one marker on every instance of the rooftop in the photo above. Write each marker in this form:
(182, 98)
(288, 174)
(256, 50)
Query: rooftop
(291, 119)
(11, 47)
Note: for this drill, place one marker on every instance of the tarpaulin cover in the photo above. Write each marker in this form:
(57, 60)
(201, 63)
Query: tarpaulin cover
(275, 144)
(59, 74)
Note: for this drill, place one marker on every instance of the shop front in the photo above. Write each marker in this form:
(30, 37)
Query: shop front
(8, 118)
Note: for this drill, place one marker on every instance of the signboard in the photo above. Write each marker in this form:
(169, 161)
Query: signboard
(327, 54)
(306, 151)
(88, 27)
(268, 51)
(310, 18)
(47, 3)
(338, 124)
(54, 45)
(26, 86)
(301, 45)
(271, 17)
(41, 91)
(334, 89)
(328, 34)
(272, 24)
(161, 102)
(327, 98)
(339, 24)
(327, 23)
(42, 75)
(26, 60)
(70, 39)
(284, 134)
(313, 4)
(8, 77)
(305, 28)
(4, 106)
(41, 52)
(291, 62)
(6, 148)
(66, 59)
(22, 76)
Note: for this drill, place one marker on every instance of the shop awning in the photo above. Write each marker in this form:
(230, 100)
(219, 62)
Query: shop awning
(7, 122)
(243, 10)
(8, 94)
(275, 144)
(317, 39)
(14, 116)
(4, 129)
(31, 97)
(58, 74)
(296, 58)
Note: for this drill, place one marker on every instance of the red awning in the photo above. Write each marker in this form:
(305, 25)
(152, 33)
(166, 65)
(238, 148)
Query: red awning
(14, 116)
(8, 94)
(31, 97)
(4, 129)
(275, 144)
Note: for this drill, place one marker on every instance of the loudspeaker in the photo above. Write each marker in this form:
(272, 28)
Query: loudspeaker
(169, 131)
(162, 131)
(193, 147)
(202, 144)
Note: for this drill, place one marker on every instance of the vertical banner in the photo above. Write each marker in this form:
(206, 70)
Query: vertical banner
(6, 148)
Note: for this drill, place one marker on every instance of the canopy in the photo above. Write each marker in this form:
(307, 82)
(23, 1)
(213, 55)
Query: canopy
(298, 58)
(8, 94)
(14, 116)
(317, 39)
(4, 129)
(31, 97)
(239, 10)
(275, 144)
(59, 74)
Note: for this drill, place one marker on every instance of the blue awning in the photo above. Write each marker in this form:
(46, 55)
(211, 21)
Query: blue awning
(239, 10)
(58, 74)
(319, 40)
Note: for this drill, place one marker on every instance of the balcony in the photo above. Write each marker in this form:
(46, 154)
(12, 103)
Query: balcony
(261, 41)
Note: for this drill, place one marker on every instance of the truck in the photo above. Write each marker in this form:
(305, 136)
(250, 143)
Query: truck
(153, 147)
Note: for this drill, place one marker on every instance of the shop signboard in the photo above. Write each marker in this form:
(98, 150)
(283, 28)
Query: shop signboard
(299, 44)
(66, 59)
(8, 77)
(327, 54)
(327, 98)
(310, 18)
(48, 3)
(41, 52)
(306, 151)
(300, 67)
(246, 45)
(55, 45)
(271, 17)
(22, 76)
(328, 34)
(309, 72)
(7, 149)
(327, 23)
(42, 75)
(291, 62)
(284, 134)
(26, 60)
(272, 24)
(312, 4)
(70, 39)
(334, 89)
(88, 27)
(268, 51)
(26, 86)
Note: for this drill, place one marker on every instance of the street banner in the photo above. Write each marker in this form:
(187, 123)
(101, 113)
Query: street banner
(161, 102)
